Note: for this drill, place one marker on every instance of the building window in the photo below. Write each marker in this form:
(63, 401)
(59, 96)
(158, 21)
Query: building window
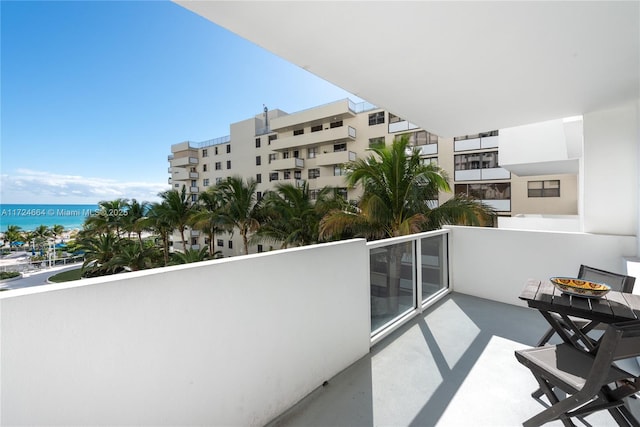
(194, 198)
(430, 161)
(339, 147)
(272, 157)
(218, 166)
(228, 148)
(257, 142)
(335, 124)
(272, 138)
(285, 155)
(313, 194)
(205, 153)
(488, 160)
(258, 178)
(194, 183)
(273, 176)
(314, 173)
(498, 191)
(550, 188)
(394, 119)
(378, 142)
(194, 241)
(297, 174)
(258, 160)
(477, 135)
(376, 118)
(341, 192)
(176, 185)
(260, 249)
(316, 128)
(298, 132)
(230, 244)
(287, 175)
(205, 182)
(420, 137)
(215, 150)
(296, 154)
(220, 243)
(228, 162)
(312, 152)
(339, 170)
(204, 167)
(218, 181)
(258, 195)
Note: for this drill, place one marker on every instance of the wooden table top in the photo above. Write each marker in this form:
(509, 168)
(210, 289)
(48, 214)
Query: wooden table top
(612, 308)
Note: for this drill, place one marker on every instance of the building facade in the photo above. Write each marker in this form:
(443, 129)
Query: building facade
(313, 146)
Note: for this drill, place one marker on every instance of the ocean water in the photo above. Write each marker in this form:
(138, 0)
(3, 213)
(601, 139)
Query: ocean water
(28, 217)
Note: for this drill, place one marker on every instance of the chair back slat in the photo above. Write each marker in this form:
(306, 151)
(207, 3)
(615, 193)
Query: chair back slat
(617, 282)
(629, 342)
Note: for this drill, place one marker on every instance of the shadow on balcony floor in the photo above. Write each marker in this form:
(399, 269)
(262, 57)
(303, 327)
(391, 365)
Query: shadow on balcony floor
(452, 366)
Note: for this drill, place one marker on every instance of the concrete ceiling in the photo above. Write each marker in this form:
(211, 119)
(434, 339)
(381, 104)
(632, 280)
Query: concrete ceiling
(455, 68)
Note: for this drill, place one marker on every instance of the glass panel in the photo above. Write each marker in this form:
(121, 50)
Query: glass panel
(392, 278)
(434, 265)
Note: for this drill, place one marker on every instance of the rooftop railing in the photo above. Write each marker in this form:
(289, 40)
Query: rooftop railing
(210, 142)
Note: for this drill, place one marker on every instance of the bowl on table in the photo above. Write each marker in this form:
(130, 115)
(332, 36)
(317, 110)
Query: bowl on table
(580, 287)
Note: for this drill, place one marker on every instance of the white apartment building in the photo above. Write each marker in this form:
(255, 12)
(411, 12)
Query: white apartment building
(313, 145)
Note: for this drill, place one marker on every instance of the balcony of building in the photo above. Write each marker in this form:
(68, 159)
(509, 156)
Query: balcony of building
(335, 158)
(287, 164)
(241, 341)
(339, 110)
(181, 162)
(194, 190)
(328, 134)
(328, 180)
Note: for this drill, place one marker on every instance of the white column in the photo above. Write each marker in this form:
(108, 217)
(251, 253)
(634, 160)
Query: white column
(610, 179)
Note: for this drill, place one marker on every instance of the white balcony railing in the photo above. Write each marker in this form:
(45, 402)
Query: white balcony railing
(136, 341)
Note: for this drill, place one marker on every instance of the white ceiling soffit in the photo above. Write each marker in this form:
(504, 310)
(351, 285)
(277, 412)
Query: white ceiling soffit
(455, 68)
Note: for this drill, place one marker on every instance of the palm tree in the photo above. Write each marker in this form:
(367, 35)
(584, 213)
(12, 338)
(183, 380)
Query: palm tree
(176, 209)
(40, 235)
(13, 234)
(134, 220)
(109, 218)
(292, 217)
(242, 210)
(132, 257)
(158, 222)
(99, 251)
(208, 217)
(397, 188)
(190, 255)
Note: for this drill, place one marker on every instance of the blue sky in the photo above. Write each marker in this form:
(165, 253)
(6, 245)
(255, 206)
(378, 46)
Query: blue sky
(94, 93)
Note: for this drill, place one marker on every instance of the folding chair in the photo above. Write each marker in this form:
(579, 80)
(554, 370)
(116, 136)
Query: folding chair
(617, 282)
(587, 379)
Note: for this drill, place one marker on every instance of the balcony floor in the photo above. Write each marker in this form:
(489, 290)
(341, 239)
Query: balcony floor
(439, 370)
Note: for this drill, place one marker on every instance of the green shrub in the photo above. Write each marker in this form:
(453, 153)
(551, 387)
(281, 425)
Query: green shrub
(8, 274)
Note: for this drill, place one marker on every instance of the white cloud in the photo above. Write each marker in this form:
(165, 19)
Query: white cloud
(30, 186)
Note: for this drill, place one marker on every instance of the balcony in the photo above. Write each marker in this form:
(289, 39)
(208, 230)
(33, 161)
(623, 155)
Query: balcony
(482, 174)
(476, 143)
(180, 162)
(194, 190)
(136, 341)
(339, 110)
(287, 164)
(328, 181)
(335, 158)
(193, 175)
(339, 134)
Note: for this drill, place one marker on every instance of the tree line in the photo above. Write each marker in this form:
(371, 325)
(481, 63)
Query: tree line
(396, 189)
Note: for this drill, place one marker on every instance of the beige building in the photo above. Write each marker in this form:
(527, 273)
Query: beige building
(313, 145)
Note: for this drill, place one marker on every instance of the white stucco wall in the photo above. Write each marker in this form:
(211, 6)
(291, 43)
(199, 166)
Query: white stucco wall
(228, 342)
(495, 263)
(537, 142)
(610, 171)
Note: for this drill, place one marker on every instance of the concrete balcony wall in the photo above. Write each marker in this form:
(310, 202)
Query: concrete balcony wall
(495, 263)
(183, 161)
(551, 147)
(286, 164)
(328, 181)
(335, 158)
(338, 134)
(224, 342)
(541, 222)
(338, 109)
